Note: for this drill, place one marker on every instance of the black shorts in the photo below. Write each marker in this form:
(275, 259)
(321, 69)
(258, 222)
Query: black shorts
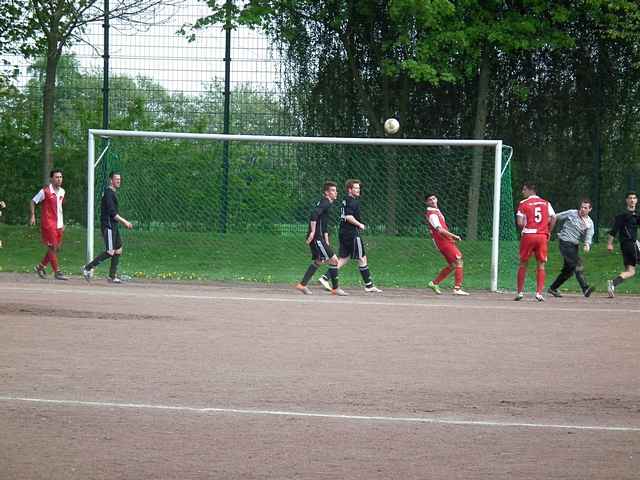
(320, 251)
(112, 240)
(630, 253)
(352, 247)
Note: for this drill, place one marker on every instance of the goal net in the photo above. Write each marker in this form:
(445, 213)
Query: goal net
(236, 207)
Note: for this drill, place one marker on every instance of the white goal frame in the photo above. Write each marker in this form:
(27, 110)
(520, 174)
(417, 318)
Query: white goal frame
(497, 170)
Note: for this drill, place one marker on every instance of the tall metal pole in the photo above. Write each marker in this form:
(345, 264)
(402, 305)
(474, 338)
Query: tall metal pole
(596, 180)
(495, 237)
(90, 194)
(91, 139)
(224, 193)
(105, 69)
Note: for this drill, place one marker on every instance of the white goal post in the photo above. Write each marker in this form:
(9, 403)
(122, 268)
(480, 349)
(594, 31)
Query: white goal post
(497, 176)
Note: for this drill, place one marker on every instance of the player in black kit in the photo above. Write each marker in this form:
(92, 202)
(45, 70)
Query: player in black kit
(351, 244)
(318, 241)
(109, 220)
(625, 226)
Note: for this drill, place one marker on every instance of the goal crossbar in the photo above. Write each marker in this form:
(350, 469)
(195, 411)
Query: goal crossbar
(496, 144)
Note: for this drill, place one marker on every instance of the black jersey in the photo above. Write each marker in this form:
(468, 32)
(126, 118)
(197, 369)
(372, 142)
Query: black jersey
(320, 215)
(350, 206)
(625, 226)
(108, 208)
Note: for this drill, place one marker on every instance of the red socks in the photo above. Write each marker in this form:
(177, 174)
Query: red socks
(458, 276)
(444, 273)
(540, 274)
(50, 257)
(540, 277)
(522, 271)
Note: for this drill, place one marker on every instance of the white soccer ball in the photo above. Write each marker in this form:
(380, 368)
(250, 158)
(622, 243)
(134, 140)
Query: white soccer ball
(391, 126)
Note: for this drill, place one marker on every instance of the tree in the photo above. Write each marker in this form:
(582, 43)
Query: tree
(47, 27)
(14, 35)
(459, 41)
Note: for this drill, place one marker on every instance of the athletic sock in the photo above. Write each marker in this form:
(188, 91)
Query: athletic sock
(458, 275)
(522, 272)
(617, 281)
(540, 274)
(97, 261)
(45, 260)
(53, 258)
(309, 273)
(444, 273)
(333, 275)
(366, 275)
(114, 265)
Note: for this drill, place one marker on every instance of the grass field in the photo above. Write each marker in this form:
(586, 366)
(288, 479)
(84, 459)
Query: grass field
(394, 261)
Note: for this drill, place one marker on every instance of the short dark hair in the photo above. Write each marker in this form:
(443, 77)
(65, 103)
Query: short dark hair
(54, 171)
(426, 197)
(114, 172)
(328, 184)
(586, 200)
(530, 186)
(351, 182)
(629, 193)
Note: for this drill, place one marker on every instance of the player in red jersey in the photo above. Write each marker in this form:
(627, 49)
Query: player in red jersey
(445, 242)
(51, 223)
(536, 218)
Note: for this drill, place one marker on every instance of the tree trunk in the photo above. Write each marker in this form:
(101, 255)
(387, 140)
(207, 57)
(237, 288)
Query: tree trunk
(48, 107)
(479, 129)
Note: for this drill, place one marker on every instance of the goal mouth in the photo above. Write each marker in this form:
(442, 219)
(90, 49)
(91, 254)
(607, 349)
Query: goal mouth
(236, 207)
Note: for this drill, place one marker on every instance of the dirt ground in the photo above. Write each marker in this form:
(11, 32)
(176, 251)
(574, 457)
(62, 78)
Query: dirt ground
(219, 381)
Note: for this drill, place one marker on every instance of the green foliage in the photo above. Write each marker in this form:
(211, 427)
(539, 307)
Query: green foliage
(447, 39)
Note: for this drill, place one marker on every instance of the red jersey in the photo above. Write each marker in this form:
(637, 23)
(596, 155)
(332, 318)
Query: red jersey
(435, 219)
(535, 212)
(51, 215)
